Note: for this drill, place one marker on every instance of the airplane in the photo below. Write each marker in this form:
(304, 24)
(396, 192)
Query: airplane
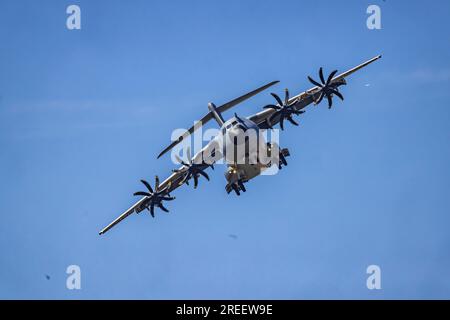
(239, 168)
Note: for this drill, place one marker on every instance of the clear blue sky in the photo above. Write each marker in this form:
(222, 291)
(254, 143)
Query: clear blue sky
(83, 115)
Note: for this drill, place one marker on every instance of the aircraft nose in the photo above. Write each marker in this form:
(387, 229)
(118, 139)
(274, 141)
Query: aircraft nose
(236, 131)
(240, 127)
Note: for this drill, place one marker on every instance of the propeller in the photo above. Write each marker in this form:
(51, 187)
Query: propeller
(327, 88)
(156, 197)
(284, 109)
(192, 170)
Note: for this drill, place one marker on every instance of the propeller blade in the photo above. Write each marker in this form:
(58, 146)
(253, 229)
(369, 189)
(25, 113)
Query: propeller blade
(156, 183)
(152, 209)
(149, 187)
(330, 77)
(204, 174)
(195, 181)
(168, 198)
(163, 208)
(142, 193)
(277, 98)
(292, 121)
(321, 75)
(330, 101)
(281, 123)
(338, 94)
(286, 97)
(314, 82)
(272, 106)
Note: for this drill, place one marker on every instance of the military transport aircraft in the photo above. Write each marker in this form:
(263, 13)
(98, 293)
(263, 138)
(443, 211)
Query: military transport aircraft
(239, 169)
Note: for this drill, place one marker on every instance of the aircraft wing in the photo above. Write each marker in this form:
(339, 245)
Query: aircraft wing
(131, 210)
(303, 99)
(174, 181)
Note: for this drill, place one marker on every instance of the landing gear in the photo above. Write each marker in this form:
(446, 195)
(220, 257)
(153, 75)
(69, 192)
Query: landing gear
(282, 156)
(237, 187)
(241, 185)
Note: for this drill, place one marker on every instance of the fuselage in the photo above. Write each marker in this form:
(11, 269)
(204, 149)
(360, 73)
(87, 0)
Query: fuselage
(244, 149)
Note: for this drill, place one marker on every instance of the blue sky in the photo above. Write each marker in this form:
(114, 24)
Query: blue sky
(84, 113)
